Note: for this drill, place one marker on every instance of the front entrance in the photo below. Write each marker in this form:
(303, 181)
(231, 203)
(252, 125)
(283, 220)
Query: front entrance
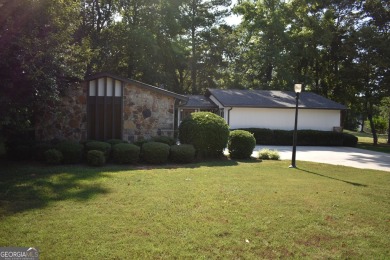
(104, 113)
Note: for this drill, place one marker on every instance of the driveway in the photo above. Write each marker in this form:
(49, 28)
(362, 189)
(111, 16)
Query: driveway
(346, 156)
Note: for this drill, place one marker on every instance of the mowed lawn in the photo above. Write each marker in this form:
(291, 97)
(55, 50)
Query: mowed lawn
(212, 210)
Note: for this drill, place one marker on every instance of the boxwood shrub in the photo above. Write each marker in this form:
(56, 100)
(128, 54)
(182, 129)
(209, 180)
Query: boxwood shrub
(53, 156)
(184, 153)
(113, 142)
(99, 146)
(241, 144)
(206, 131)
(71, 151)
(126, 153)
(155, 153)
(164, 139)
(39, 150)
(96, 158)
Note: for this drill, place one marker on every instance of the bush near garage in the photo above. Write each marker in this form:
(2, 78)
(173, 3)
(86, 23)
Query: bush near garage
(241, 144)
(207, 132)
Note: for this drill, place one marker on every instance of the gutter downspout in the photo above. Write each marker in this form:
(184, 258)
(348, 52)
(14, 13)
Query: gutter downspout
(228, 115)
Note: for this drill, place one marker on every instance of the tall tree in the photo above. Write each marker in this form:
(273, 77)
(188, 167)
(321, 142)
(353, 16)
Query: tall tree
(39, 56)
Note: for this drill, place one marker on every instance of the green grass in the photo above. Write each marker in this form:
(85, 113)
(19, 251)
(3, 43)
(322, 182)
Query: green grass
(213, 210)
(365, 141)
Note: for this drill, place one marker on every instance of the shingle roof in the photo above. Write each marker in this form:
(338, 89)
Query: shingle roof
(199, 101)
(272, 99)
(137, 83)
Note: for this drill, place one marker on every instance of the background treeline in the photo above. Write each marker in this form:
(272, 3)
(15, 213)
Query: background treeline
(339, 49)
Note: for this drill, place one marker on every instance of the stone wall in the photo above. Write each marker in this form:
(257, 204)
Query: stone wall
(65, 119)
(146, 113)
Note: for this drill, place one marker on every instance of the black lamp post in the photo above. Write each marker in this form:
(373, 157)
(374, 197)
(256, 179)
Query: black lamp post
(297, 89)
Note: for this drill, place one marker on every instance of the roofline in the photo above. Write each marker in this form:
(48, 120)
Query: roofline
(208, 93)
(137, 83)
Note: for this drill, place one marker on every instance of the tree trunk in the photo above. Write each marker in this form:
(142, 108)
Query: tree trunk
(372, 125)
(388, 132)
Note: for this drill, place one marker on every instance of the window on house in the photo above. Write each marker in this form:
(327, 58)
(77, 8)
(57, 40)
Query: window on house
(104, 115)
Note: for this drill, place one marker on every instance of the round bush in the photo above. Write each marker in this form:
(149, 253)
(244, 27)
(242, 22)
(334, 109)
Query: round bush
(241, 144)
(39, 150)
(126, 153)
(206, 131)
(71, 151)
(113, 142)
(184, 153)
(53, 156)
(164, 139)
(96, 158)
(155, 153)
(99, 146)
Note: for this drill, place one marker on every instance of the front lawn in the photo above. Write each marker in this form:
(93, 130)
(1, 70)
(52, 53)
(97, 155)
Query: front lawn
(213, 210)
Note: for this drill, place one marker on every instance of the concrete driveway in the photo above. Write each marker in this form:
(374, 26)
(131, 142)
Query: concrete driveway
(346, 156)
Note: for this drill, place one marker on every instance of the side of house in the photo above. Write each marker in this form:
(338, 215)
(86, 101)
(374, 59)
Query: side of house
(105, 106)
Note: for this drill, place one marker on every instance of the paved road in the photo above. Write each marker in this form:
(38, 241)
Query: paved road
(346, 156)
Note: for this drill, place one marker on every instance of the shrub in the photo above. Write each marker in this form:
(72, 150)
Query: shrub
(53, 156)
(71, 151)
(349, 140)
(267, 154)
(126, 153)
(184, 153)
(155, 153)
(96, 158)
(113, 142)
(39, 150)
(206, 131)
(99, 146)
(241, 144)
(140, 143)
(164, 139)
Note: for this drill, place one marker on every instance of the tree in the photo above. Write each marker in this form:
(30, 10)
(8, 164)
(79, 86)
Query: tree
(39, 57)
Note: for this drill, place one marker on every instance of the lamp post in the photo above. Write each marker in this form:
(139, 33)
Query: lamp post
(297, 89)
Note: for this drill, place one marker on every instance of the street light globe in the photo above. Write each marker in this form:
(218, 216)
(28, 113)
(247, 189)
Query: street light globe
(298, 88)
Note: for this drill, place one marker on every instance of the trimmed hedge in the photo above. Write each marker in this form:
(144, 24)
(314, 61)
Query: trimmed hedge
(184, 153)
(164, 139)
(207, 132)
(155, 153)
(53, 156)
(265, 136)
(72, 151)
(126, 153)
(241, 144)
(113, 142)
(99, 146)
(96, 158)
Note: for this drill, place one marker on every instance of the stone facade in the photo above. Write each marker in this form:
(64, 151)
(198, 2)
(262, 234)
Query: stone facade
(65, 119)
(147, 111)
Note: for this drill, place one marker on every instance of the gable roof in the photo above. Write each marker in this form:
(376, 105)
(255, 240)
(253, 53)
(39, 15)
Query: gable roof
(138, 84)
(271, 99)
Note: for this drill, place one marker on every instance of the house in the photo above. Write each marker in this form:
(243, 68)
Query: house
(106, 106)
(268, 109)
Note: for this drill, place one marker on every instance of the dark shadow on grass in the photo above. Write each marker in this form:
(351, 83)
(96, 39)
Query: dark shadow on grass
(32, 186)
(332, 178)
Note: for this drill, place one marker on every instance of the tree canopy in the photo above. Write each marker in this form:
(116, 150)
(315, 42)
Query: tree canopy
(339, 49)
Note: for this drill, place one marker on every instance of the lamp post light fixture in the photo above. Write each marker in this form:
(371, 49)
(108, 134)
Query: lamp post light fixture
(298, 90)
